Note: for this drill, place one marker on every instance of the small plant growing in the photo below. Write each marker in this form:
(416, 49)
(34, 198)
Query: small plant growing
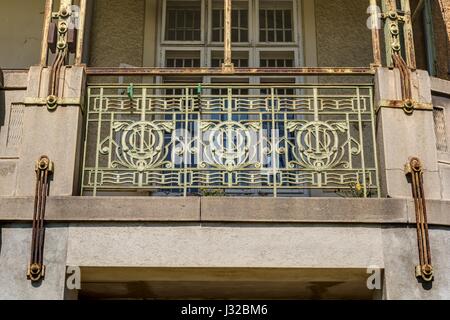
(356, 190)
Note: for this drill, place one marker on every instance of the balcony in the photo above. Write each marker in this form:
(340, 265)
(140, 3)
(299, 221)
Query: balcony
(205, 139)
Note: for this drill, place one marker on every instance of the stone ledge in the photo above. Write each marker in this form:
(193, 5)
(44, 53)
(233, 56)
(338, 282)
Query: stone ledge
(224, 209)
(14, 79)
(440, 85)
(103, 209)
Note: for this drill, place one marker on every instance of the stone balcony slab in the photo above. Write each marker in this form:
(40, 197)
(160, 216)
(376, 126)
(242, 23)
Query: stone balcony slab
(224, 210)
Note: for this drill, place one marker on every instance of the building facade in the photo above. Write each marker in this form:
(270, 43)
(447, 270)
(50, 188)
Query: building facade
(225, 149)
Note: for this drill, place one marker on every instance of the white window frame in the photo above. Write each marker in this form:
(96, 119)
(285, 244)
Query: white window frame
(295, 23)
(253, 47)
(235, 44)
(163, 40)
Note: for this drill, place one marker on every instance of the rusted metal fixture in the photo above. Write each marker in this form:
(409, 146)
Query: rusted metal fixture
(405, 78)
(375, 35)
(80, 38)
(228, 64)
(62, 37)
(398, 31)
(414, 169)
(407, 103)
(48, 11)
(148, 71)
(36, 268)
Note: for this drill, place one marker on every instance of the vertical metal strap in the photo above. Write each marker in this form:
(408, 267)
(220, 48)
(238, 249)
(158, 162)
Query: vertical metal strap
(414, 169)
(36, 268)
(228, 64)
(408, 35)
(405, 78)
(80, 38)
(47, 20)
(375, 16)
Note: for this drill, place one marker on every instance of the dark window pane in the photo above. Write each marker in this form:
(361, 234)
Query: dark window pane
(287, 19)
(197, 20)
(262, 19)
(262, 36)
(235, 35)
(244, 36)
(270, 19)
(216, 36)
(215, 63)
(196, 63)
(189, 19)
(216, 18)
(171, 19)
(279, 37)
(288, 36)
(244, 18)
(279, 19)
(235, 18)
(197, 36)
(180, 19)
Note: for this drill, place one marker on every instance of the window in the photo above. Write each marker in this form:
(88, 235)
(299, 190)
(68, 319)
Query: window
(239, 21)
(191, 35)
(240, 59)
(183, 21)
(182, 59)
(276, 59)
(275, 21)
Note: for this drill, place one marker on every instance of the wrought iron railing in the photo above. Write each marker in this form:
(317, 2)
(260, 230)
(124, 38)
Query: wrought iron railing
(230, 139)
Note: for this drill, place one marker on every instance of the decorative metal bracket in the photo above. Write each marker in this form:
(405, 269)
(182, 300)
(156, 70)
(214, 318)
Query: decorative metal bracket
(36, 268)
(414, 169)
(62, 39)
(407, 103)
(405, 78)
(398, 31)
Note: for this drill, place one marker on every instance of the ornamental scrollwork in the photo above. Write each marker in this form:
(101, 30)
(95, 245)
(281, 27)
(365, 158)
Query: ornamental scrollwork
(319, 146)
(230, 145)
(139, 145)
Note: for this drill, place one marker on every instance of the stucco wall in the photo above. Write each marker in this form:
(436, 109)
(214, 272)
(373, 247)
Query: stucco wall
(20, 32)
(117, 34)
(286, 246)
(343, 38)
